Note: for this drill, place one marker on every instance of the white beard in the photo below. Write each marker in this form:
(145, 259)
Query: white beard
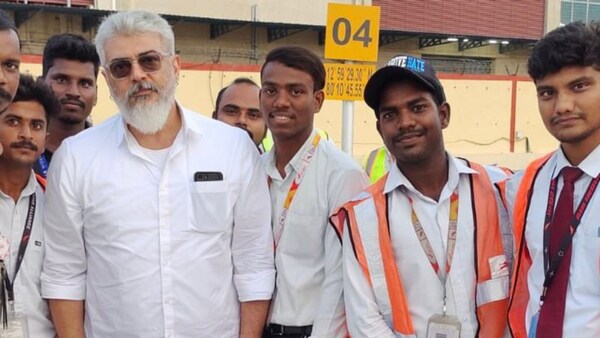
(147, 117)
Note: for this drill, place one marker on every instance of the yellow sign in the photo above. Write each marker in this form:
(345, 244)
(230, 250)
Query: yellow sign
(346, 81)
(352, 32)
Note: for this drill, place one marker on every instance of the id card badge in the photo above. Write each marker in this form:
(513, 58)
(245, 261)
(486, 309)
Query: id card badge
(533, 325)
(443, 326)
(17, 326)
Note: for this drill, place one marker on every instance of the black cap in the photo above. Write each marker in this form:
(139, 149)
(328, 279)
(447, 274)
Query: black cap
(400, 67)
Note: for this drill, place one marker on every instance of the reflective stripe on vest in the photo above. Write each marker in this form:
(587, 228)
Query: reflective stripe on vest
(375, 255)
(522, 262)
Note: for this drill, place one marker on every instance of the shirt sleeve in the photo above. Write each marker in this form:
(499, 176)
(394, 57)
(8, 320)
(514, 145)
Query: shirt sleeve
(362, 311)
(252, 243)
(65, 265)
(330, 320)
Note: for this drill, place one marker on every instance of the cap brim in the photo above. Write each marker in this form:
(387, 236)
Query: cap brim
(382, 77)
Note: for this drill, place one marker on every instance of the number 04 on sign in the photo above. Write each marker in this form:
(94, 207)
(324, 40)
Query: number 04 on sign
(352, 32)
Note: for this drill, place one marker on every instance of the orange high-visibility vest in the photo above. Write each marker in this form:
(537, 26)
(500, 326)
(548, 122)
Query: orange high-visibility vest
(519, 293)
(368, 226)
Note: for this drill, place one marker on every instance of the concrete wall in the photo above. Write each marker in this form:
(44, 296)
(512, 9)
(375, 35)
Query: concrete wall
(268, 10)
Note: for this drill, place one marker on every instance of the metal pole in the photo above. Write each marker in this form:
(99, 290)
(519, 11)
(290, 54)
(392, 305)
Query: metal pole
(347, 126)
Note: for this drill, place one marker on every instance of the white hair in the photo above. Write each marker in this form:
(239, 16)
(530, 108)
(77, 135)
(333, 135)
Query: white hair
(132, 23)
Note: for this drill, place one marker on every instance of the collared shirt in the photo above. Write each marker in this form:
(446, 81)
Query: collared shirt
(28, 298)
(582, 307)
(308, 257)
(156, 253)
(423, 289)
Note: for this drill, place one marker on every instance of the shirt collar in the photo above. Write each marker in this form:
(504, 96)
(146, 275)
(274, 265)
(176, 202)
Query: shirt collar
(296, 161)
(456, 167)
(590, 165)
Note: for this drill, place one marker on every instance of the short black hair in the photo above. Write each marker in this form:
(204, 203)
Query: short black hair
(31, 89)
(301, 59)
(239, 80)
(70, 47)
(6, 23)
(575, 44)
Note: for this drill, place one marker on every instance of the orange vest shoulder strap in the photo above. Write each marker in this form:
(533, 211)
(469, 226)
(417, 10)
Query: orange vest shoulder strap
(340, 216)
(519, 294)
(491, 311)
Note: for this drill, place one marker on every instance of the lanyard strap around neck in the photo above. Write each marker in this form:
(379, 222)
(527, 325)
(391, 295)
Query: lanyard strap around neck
(426, 244)
(551, 265)
(22, 246)
(294, 188)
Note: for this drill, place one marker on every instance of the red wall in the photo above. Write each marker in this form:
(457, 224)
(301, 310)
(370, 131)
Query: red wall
(489, 18)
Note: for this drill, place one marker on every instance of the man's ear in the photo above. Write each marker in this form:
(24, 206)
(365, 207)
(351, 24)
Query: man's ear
(444, 113)
(319, 98)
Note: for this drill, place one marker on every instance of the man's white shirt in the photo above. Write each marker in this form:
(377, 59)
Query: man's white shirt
(582, 306)
(27, 286)
(308, 257)
(153, 252)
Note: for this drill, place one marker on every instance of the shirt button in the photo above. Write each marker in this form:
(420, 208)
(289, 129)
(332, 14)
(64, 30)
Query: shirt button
(165, 262)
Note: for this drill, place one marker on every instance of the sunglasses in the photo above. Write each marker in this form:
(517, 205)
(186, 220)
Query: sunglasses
(150, 63)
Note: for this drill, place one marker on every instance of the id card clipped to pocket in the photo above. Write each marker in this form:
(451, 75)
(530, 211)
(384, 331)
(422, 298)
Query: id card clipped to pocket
(443, 326)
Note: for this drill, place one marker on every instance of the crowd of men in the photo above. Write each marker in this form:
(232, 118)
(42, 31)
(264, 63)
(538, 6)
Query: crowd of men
(161, 222)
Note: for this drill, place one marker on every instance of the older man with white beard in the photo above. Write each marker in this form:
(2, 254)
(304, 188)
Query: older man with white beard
(141, 209)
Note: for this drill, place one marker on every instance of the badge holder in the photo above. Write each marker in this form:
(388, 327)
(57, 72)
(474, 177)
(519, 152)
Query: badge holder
(16, 325)
(442, 325)
(13, 323)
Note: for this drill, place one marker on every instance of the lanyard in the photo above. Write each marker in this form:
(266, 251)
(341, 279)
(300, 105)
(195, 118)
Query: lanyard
(294, 188)
(426, 245)
(551, 266)
(22, 247)
(43, 163)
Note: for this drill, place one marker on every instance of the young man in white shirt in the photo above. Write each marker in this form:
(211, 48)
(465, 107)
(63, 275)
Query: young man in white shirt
(309, 178)
(158, 219)
(423, 249)
(70, 66)
(556, 206)
(23, 131)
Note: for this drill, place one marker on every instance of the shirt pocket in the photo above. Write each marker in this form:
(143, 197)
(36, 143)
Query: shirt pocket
(211, 206)
(304, 236)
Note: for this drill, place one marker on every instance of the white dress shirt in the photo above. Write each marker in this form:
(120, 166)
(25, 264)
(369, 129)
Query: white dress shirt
(423, 289)
(308, 257)
(153, 252)
(582, 307)
(27, 287)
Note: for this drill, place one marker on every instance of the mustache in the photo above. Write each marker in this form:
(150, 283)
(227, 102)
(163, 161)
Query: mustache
(407, 133)
(5, 95)
(555, 119)
(139, 86)
(73, 101)
(24, 144)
